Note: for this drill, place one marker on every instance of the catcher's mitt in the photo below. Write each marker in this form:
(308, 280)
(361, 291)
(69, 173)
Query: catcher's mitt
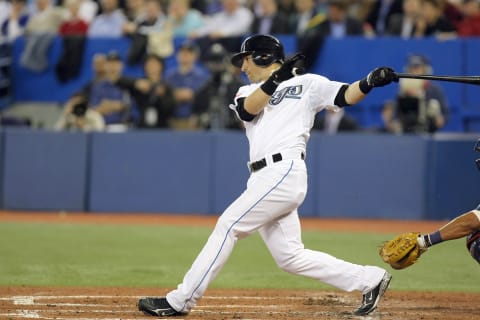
(402, 251)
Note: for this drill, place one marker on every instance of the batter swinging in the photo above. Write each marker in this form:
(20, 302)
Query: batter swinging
(278, 110)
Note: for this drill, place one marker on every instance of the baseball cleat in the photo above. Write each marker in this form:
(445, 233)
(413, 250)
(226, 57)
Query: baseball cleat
(371, 298)
(157, 307)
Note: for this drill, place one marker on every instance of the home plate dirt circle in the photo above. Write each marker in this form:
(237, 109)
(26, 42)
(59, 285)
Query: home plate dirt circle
(220, 304)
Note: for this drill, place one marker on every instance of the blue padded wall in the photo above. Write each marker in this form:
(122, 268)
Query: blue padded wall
(454, 181)
(229, 169)
(2, 155)
(44, 170)
(375, 176)
(150, 171)
(350, 175)
(309, 205)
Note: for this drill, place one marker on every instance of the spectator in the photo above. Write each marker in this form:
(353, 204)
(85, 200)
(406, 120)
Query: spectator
(99, 62)
(212, 100)
(14, 25)
(338, 23)
(451, 10)
(5, 7)
(46, 20)
(40, 31)
(380, 13)
(88, 10)
(227, 27)
(306, 17)
(149, 24)
(432, 22)
(333, 121)
(470, 24)
(73, 32)
(77, 116)
(183, 19)
(233, 20)
(305, 24)
(135, 10)
(268, 20)
(186, 79)
(287, 7)
(109, 23)
(420, 107)
(74, 25)
(403, 24)
(359, 9)
(154, 98)
(104, 96)
(99, 68)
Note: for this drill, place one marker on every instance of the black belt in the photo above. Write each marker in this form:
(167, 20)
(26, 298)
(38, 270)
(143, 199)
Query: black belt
(262, 163)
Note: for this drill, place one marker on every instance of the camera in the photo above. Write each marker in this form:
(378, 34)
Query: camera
(80, 109)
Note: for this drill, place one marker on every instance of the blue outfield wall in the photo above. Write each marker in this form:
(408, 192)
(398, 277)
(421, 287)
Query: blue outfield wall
(2, 154)
(361, 176)
(229, 169)
(150, 172)
(369, 176)
(44, 170)
(454, 182)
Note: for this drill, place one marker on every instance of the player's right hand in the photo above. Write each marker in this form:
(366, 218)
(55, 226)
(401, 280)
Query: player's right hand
(291, 67)
(381, 76)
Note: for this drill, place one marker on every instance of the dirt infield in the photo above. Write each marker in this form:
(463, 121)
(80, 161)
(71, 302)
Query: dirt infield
(120, 303)
(360, 225)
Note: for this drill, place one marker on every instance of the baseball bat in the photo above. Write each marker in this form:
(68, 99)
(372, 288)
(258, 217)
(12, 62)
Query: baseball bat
(458, 79)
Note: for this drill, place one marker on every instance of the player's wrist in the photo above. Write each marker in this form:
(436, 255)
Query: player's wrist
(364, 86)
(269, 86)
(422, 241)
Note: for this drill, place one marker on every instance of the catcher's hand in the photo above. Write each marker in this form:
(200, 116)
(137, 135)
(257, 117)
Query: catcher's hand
(401, 251)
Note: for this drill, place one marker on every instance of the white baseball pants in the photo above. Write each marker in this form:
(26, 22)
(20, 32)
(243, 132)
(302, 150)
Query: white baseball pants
(269, 205)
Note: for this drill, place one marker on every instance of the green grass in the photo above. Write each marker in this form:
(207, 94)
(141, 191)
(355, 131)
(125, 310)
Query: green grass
(41, 254)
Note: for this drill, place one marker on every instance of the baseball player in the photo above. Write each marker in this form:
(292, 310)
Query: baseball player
(405, 249)
(467, 224)
(278, 108)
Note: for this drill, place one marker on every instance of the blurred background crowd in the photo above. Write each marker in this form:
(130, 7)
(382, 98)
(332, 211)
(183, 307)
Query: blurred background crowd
(194, 93)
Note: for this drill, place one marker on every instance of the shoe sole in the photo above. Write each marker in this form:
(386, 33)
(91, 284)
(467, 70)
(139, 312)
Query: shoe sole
(158, 313)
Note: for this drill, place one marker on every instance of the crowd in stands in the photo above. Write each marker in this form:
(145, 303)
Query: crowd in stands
(188, 96)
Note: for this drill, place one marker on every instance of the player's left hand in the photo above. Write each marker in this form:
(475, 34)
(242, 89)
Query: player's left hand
(291, 67)
(381, 76)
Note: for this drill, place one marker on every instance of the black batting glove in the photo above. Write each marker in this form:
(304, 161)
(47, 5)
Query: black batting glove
(379, 77)
(291, 67)
(288, 69)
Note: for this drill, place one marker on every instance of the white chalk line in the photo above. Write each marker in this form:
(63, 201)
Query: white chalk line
(24, 316)
(27, 299)
(206, 309)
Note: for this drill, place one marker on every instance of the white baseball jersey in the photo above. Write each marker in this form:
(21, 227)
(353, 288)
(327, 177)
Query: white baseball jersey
(269, 203)
(286, 121)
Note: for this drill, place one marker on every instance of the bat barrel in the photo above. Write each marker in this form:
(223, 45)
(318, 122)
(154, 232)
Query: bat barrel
(458, 79)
